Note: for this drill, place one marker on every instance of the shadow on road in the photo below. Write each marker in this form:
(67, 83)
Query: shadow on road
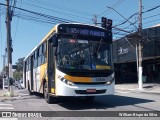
(79, 103)
(102, 102)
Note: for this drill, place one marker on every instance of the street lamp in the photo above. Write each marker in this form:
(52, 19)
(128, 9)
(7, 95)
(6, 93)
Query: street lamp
(139, 47)
(127, 20)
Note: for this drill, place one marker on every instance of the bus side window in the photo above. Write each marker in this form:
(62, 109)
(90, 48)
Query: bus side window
(38, 56)
(42, 58)
(29, 61)
(26, 65)
(43, 52)
(35, 59)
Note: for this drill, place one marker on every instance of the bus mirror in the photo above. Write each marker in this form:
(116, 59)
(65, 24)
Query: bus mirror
(54, 41)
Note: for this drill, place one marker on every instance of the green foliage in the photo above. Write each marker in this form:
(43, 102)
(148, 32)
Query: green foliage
(19, 64)
(18, 73)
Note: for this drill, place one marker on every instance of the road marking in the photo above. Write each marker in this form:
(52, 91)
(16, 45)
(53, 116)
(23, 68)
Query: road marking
(122, 92)
(8, 119)
(5, 106)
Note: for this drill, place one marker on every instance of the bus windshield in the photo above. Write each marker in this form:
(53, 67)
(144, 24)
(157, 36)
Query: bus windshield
(83, 54)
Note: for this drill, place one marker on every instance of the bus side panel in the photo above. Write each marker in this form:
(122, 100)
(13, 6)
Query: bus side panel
(38, 79)
(34, 78)
(43, 73)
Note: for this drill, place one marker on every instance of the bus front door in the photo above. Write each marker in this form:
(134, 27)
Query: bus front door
(51, 68)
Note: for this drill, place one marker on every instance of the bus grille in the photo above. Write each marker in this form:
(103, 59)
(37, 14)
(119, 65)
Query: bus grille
(91, 83)
(85, 91)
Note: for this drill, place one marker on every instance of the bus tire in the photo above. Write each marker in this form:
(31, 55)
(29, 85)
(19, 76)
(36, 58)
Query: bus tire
(90, 98)
(29, 90)
(47, 97)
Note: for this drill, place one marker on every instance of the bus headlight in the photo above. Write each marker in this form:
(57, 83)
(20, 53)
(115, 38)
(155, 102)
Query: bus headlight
(67, 81)
(110, 79)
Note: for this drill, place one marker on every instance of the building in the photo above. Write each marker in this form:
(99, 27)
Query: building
(124, 53)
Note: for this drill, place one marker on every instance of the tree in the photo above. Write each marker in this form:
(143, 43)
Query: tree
(18, 73)
(20, 64)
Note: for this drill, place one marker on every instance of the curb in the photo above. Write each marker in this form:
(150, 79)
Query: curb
(147, 88)
(138, 90)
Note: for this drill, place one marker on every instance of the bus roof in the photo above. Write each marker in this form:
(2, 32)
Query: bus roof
(49, 33)
(30, 53)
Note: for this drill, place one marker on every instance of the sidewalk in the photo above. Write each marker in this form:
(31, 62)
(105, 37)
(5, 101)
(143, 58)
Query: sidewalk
(147, 87)
(4, 96)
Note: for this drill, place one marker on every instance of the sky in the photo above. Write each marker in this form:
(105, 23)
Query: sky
(27, 29)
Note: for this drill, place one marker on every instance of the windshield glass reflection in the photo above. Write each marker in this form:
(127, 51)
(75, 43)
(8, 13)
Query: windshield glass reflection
(83, 54)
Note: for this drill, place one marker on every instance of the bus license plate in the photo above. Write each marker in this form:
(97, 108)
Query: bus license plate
(91, 90)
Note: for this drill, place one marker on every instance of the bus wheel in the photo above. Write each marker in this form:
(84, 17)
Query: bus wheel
(47, 97)
(90, 98)
(29, 90)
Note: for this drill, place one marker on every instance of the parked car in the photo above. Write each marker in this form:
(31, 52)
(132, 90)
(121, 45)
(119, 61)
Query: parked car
(16, 83)
(20, 84)
(6, 83)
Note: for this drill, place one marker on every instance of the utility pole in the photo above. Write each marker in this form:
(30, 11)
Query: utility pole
(4, 61)
(9, 41)
(138, 45)
(140, 69)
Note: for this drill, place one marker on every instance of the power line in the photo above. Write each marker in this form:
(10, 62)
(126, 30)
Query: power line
(151, 21)
(145, 19)
(116, 4)
(151, 16)
(122, 16)
(60, 7)
(153, 8)
(35, 19)
(127, 20)
(42, 18)
(17, 25)
(59, 12)
(56, 19)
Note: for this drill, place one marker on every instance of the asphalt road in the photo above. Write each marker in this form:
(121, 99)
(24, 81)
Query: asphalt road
(122, 101)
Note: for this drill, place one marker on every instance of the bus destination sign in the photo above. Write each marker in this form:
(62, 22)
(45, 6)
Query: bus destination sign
(86, 32)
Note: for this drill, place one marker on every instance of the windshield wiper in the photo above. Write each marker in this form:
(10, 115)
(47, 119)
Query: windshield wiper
(99, 45)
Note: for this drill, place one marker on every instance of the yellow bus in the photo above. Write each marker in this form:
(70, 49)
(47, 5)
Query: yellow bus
(71, 60)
